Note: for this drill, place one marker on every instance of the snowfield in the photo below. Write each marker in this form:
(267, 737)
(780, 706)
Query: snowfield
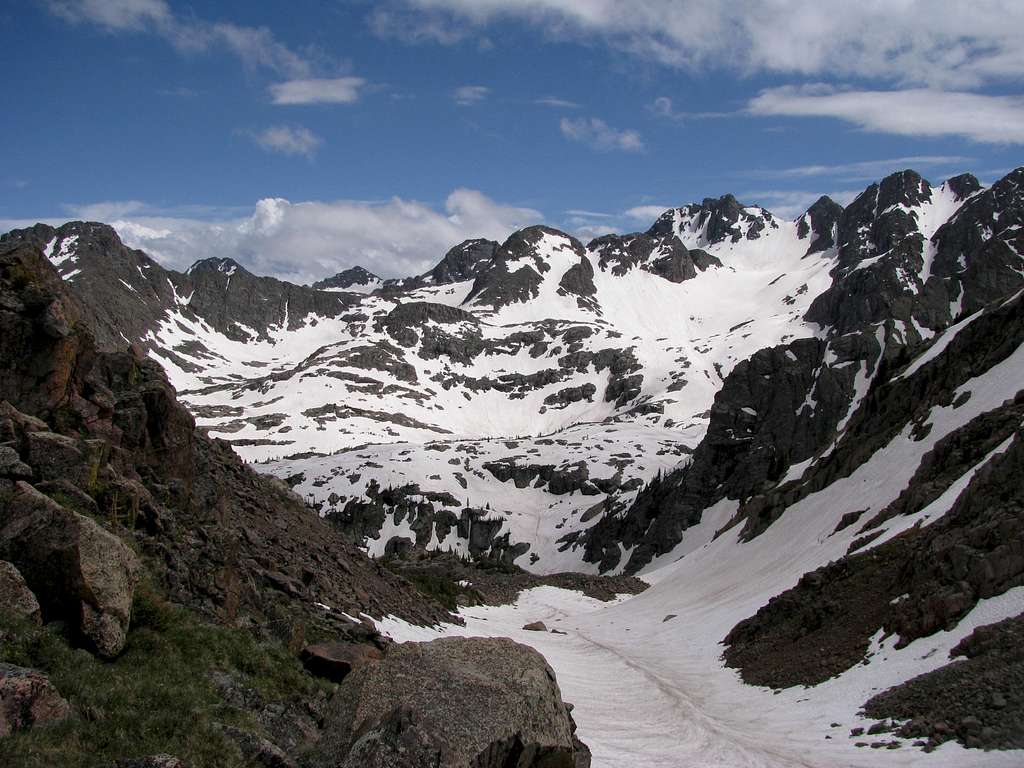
(646, 673)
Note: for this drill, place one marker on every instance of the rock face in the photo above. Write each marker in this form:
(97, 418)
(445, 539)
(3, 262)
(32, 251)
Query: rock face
(27, 699)
(928, 578)
(892, 288)
(104, 435)
(16, 599)
(453, 703)
(129, 293)
(79, 571)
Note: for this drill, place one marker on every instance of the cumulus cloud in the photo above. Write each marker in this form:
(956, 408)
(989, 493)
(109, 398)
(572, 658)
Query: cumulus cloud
(255, 46)
(597, 134)
(944, 43)
(288, 140)
(467, 95)
(306, 241)
(334, 90)
(911, 112)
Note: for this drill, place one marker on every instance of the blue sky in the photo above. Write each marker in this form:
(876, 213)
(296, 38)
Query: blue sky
(382, 133)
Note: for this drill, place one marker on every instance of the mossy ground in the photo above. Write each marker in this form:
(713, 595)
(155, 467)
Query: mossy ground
(156, 697)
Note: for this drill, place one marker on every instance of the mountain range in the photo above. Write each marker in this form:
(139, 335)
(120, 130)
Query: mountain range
(807, 434)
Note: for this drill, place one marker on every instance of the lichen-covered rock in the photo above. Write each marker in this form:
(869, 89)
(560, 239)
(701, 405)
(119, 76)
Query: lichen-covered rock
(452, 703)
(77, 570)
(28, 699)
(16, 599)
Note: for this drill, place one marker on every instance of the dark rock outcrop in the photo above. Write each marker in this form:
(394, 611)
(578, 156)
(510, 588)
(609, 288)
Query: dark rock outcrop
(978, 700)
(516, 271)
(819, 225)
(913, 585)
(665, 256)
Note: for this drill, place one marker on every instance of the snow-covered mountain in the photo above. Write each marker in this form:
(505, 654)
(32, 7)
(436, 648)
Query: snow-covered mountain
(807, 435)
(560, 404)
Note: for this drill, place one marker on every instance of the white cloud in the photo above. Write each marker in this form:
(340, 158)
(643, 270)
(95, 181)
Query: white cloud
(105, 211)
(255, 46)
(307, 241)
(555, 102)
(864, 169)
(335, 90)
(946, 43)
(646, 213)
(288, 140)
(114, 14)
(912, 112)
(598, 134)
(663, 107)
(470, 94)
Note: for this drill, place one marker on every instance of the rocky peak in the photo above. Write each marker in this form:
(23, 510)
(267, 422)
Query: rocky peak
(522, 263)
(354, 278)
(980, 250)
(127, 291)
(964, 185)
(819, 224)
(712, 221)
(463, 262)
(905, 188)
(215, 265)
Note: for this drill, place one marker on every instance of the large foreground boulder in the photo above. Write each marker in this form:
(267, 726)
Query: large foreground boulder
(78, 571)
(452, 703)
(27, 699)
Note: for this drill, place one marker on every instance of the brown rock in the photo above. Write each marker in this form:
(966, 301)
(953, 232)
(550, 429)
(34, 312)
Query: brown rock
(15, 596)
(335, 660)
(77, 570)
(535, 626)
(28, 699)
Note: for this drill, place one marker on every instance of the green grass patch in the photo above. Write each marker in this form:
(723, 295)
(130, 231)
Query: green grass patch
(437, 584)
(156, 697)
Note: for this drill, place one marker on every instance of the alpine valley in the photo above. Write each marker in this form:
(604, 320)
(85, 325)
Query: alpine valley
(805, 437)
